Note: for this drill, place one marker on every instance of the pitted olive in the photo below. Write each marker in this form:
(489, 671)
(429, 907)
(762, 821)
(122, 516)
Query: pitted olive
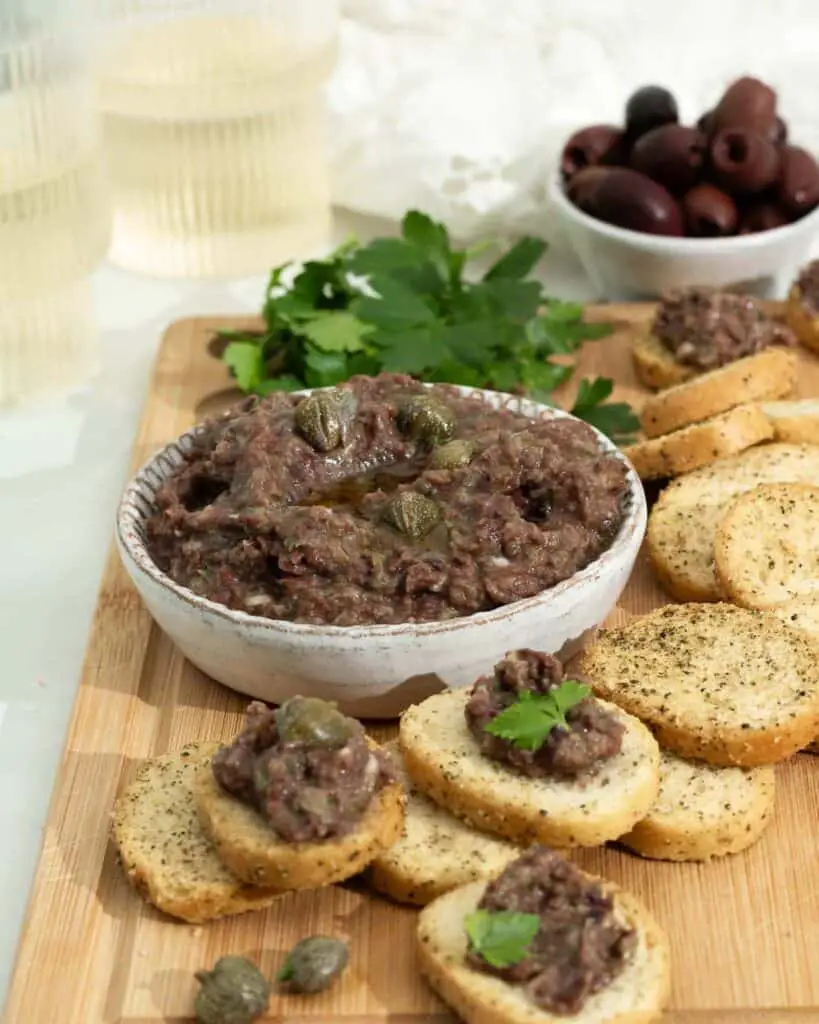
(747, 103)
(324, 419)
(582, 189)
(744, 161)
(672, 155)
(452, 455)
(412, 514)
(709, 212)
(649, 107)
(313, 721)
(632, 200)
(597, 144)
(762, 217)
(799, 181)
(426, 419)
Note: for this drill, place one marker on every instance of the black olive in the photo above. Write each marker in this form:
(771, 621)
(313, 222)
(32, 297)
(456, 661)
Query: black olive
(746, 103)
(799, 181)
(632, 200)
(597, 144)
(744, 161)
(672, 155)
(314, 963)
(649, 107)
(709, 212)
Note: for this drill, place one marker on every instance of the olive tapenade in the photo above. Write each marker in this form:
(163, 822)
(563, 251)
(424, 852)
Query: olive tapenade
(382, 501)
(808, 285)
(593, 734)
(580, 945)
(307, 768)
(705, 328)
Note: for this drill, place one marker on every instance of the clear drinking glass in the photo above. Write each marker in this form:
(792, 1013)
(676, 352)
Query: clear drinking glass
(213, 120)
(54, 215)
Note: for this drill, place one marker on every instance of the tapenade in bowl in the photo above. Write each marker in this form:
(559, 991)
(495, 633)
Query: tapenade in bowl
(376, 542)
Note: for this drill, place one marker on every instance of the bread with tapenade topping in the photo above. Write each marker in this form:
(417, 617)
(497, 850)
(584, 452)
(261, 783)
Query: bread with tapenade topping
(802, 321)
(437, 851)
(715, 682)
(700, 444)
(704, 811)
(766, 550)
(636, 996)
(767, 374)
(683, 523)
(253, 852)
(655, 366)
(165, 853)
(446, 764)
(795, 422)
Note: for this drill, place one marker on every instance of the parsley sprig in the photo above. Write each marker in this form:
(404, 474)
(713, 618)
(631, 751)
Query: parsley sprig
(404, 305)
(528, 722)
(501, 937)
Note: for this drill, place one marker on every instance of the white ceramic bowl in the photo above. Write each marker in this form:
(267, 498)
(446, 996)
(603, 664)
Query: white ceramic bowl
(371, 671)
(629, 265)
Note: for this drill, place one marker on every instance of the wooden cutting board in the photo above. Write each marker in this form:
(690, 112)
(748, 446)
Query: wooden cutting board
(744, 931)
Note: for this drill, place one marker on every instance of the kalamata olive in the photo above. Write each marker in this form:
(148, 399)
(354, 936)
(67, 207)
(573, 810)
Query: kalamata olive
(762, 217)
(412, 514)
(313, 721)
(746, 103)
(631, 200)
(452, 455)
(234, 992)
(779, 132)
(426, 419)
(709, 212)
(324, 419)
(672, 155)
(582, 188)
(743, 161)
(704, 122)
(597, 144)
(799, 181)
(314, 963)
(649, 107)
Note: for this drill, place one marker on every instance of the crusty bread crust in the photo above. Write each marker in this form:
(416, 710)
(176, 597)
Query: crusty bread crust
(703, 811)
(794, 422)
(714, 682)
(803, 324)
(700, 444)
(636, 996)
(163, 850)
(250, 849)
(436, 852)
(654, 365)
(766, 550)
(768, 374)
(445, 762)
(683, 523)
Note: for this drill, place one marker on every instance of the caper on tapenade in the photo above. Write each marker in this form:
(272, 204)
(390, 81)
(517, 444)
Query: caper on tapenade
(324, 419)
(426, 419)
(452, 455)
(313, 964)
(412, 514)
(313, 721)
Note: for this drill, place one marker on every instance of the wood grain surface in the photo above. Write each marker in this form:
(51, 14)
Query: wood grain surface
(744, 931)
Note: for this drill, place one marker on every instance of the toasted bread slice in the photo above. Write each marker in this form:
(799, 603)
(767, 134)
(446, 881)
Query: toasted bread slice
(655, 366)
(446, 764)
(700, 444)
(636, 996)
(437, 851)
(794, 422)
(717, 683)
(803, 614)
(704, 811)
(768, 374)
(683, 523)
(251, 850)
(767, 545)
(801, 321)
(164, 852)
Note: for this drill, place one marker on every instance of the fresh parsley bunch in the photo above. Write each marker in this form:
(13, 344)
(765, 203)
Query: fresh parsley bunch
(403, 305)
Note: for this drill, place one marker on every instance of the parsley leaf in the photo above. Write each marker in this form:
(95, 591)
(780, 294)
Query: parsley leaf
(336, 332)
(395, 307)
(518, 262)
(246, 360)
(528, 722)
(501, 937)
(615, 419)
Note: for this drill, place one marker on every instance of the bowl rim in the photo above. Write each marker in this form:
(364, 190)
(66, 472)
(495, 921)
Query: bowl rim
(131, 512)
(676, 244)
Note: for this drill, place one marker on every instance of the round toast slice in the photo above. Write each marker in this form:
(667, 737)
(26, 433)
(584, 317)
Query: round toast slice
(801, 321)
(704, 811)
(165, 853)
(765, 375)
(714, 682)
(795, 422)
(252, 851)
(683, 522)
(436, 852)
(636, 996)
(766, 550)
(655, 366)
(803, 614)
(446, 764)
(700, 444)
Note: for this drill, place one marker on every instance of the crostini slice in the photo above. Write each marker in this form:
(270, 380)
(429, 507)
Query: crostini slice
(445, 762)
(655, 366)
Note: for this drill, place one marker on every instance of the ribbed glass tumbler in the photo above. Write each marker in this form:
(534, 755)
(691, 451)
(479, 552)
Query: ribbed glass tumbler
(54, 213)
(213, 117)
